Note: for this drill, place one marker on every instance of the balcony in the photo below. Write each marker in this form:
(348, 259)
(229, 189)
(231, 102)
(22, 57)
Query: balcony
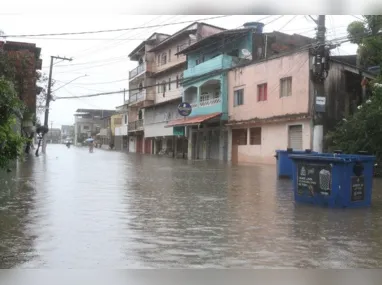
(220, 62)
(137, 71)
(137, 97)
(135, 126)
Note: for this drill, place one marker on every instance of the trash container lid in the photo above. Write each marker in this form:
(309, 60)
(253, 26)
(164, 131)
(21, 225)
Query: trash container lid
(331, 157)
(293, 151)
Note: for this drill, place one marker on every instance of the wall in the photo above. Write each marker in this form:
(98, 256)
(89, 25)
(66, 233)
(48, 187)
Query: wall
(270, 72)
(113, 125)
(174, 92)
(174, 60)
(157, 117)
(220, 107)
(242, 42)
(206, 31)
(273, 136)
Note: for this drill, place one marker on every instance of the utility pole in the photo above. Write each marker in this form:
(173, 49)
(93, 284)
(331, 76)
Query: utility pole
(48, 99)
(319, 72)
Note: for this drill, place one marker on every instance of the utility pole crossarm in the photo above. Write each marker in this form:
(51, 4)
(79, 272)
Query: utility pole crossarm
(63, 58)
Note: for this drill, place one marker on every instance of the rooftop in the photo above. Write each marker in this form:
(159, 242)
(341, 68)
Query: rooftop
(185, 31)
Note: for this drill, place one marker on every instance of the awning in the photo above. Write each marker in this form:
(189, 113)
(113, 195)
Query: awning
(193, 120)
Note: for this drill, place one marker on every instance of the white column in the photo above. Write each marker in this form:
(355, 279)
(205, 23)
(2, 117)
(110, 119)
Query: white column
(318, 134)
(189, 134)
(221, 142)
(229, 146)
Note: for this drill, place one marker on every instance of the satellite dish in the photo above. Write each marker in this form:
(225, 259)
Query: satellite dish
(246, 54)
(192, 37)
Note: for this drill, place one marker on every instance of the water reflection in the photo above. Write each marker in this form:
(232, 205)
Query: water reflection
(114, 210)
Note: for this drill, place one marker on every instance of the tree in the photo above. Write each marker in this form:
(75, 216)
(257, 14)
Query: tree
(362, 131)
(42, 90)
(367, 35)
(11, 107)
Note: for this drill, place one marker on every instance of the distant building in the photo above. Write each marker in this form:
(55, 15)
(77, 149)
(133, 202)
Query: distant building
(67, 133)
(53, 136)
(88, 122)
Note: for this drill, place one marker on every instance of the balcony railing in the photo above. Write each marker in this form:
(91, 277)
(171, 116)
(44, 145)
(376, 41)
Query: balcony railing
(210, 102)
(137, 97)
(135, 125)
(138, 70)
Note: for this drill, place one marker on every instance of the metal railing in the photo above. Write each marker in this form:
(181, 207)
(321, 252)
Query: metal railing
(139, 69)
(137, 97)
(135, 125)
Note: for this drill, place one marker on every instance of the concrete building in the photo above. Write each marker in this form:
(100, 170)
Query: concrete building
(206, 82)
(88, 122)
(156, 82)
(169, 68)
(26, 58)
(271, 104)
(121, 133)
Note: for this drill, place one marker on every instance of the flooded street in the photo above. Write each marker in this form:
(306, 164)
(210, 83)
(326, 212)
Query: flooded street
(72, 209)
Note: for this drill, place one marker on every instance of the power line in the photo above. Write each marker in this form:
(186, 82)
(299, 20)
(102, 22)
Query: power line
(294, 17)
(112, 30)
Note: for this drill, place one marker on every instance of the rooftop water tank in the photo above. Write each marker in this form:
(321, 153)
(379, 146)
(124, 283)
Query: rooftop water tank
(257, 26)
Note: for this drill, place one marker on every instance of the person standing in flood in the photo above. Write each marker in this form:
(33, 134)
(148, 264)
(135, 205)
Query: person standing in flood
(91, 145)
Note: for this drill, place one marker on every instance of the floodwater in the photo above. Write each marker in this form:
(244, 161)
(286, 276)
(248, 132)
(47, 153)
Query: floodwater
(72, 209)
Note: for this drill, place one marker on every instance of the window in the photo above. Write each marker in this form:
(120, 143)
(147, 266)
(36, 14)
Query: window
(169, 55)
(169, 83)
(285, 87)
(239, 136)
(125, 119)
(164, 58)
(262, 92)
(86, 127)
(177, 81)
(255, 136)
(238, 97)
(158, 60)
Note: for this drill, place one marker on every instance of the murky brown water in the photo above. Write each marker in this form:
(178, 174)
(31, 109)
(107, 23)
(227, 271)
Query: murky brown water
(110, 210)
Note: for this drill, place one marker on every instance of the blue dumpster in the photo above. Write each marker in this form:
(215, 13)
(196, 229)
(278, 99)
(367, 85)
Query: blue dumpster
(334, 180)
(285, 164)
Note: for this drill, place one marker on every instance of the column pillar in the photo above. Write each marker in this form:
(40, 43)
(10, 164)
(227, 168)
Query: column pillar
(229, 145)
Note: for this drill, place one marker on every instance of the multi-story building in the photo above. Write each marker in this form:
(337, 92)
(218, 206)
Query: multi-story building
(88, 122)
(271, 103)
(26, 59)
(142, 89)
(155, 87)
(206, 82)
(121, 135)
(169, 67)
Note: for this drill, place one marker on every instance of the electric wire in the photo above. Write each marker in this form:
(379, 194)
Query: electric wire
(112, 30)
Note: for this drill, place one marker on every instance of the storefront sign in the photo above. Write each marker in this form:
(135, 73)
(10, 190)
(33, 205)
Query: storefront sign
(178, 131)
(314, 179)
(357, 188)
(184, 109)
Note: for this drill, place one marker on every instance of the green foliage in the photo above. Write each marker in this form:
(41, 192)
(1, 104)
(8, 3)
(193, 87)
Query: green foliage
(11, 142)
(363, 130)
(369, 44)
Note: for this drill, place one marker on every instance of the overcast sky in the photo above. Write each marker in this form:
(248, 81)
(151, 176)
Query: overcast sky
(103, 57)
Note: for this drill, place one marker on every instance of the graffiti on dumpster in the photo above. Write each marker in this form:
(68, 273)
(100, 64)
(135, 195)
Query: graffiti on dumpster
(357, 188)
(313, 179)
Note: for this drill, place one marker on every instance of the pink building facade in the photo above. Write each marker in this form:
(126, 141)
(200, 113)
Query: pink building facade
(269, 108)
